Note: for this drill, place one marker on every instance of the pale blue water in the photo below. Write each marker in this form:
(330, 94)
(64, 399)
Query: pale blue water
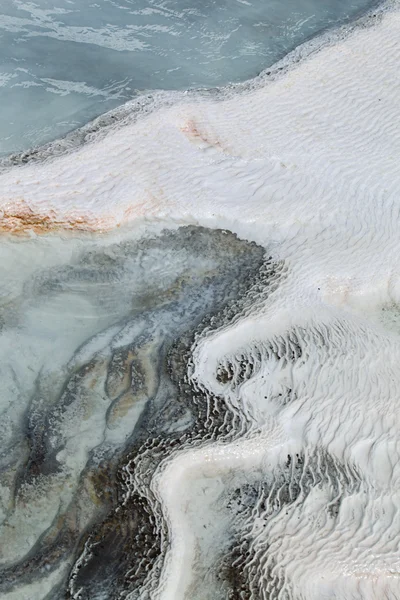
(63, 62)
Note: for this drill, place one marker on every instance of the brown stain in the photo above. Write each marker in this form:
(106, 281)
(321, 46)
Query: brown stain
(119, 373)
(123, 406)
(20, 218)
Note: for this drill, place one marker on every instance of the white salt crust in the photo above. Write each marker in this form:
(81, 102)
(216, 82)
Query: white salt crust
(308, 166)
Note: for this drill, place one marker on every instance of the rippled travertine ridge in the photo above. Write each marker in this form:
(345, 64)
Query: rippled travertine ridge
(188, 415)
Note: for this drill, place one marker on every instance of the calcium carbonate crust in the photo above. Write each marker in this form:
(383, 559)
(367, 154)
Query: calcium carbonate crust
(307, 368)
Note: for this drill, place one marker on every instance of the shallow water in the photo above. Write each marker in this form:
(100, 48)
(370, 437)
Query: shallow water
(95, 335)
(62, 63)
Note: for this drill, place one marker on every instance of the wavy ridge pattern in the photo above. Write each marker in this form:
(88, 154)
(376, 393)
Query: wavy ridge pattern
(263, 447)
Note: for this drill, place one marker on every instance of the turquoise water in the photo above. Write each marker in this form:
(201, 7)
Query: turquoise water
(64, 62)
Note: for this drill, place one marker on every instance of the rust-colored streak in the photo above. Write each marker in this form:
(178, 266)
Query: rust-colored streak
(194, 133)
(20, 219)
